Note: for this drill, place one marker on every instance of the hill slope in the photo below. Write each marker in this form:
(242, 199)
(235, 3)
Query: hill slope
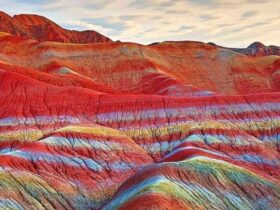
(173, 125)
(43, 29)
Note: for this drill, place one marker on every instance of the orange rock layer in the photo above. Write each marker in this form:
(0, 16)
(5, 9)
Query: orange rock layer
(173, 125)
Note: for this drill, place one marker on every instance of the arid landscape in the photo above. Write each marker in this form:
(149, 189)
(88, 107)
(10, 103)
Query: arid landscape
(91, 123)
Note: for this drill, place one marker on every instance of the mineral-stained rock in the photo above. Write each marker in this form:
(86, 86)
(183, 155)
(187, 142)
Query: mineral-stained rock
(259, 49)
(173, 125)
(43, 29)
(196, 183)
(192, 69)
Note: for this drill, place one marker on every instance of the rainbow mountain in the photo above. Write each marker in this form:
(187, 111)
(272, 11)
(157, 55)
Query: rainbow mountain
(89, 123)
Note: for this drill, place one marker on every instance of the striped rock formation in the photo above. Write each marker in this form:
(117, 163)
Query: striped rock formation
(43, 29)
(173, 125)
(256, 49)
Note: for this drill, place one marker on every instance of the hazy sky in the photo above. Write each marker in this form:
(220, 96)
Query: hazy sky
(233, 23)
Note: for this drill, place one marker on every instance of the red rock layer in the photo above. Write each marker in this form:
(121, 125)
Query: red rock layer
(174, 125)
(43, 29)
(169, 68)
(56, 130)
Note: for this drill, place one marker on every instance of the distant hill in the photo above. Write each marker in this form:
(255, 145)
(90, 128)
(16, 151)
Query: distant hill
(255, 49)
(43, 29)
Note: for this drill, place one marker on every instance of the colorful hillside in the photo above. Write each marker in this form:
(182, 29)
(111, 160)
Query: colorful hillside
(116, 125)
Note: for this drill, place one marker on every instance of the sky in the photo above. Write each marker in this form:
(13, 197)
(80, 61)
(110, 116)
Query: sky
(231, 23)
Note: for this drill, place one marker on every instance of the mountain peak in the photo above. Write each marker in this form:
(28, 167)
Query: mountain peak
(42, 29)
(32, 19)
(3, 14)
(256, 45)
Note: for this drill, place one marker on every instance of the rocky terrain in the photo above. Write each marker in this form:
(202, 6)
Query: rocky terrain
(43, 29)
(88, 123)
